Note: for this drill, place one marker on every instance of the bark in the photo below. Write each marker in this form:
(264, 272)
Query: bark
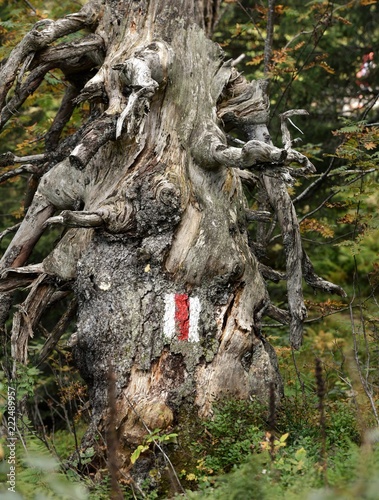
(169, 293)
(273, 187)
(270, 35)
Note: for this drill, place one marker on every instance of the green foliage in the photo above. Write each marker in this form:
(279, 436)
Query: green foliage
(38, 476)
(317, 49)
(156, 438)
(296, 469)
(356, 476)
(245, 482)
(38, 473)
(234, 432)
(26, 380)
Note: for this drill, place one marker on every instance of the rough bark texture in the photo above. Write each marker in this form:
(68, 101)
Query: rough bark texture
(169, 293)
(174, 213)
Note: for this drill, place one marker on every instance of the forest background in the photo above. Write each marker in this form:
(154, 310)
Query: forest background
(321, 443)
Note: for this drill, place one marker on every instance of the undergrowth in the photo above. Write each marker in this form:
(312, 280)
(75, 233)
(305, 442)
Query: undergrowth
(236, 455)
(243, 452)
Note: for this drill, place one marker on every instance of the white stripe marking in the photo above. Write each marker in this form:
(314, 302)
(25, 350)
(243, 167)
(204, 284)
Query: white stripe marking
(194, 316)
(169, 328)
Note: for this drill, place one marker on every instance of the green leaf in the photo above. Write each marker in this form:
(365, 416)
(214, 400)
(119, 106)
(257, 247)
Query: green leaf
(301, 454)
(283, 438)
(169, 437)
(7, 24)
(137, 452)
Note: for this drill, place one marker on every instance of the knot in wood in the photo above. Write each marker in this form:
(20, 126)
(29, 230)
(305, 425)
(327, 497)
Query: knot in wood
(117, 215)
(167, 193)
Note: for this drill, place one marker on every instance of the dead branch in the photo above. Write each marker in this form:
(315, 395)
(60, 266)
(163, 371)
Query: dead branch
(246, 105)
(59, 329)
(8, 159)
(286, 136)
(19, 277)
(271, 274)
(9, 230)
(294, 155)
(76, 219)
(289, 225)
(62, 117)
(31, 84)
(247, 177)
(79, 55)
(70, 58)
(280, 315)
(43, 33)
(316, 282)
(98, 133)
(28, 234)
(27, 317)
(258, 215)
(25, 169)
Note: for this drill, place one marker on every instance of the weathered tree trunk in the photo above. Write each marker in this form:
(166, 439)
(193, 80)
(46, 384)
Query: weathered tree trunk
(169, 293)
(170, 296)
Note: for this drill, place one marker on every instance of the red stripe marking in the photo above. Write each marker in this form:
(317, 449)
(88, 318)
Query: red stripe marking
(182, 315)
